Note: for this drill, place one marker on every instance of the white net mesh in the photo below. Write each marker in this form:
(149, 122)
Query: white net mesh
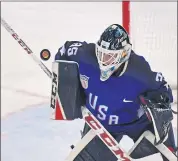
(153, 27)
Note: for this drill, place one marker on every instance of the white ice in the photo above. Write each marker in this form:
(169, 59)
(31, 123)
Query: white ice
(27, 132)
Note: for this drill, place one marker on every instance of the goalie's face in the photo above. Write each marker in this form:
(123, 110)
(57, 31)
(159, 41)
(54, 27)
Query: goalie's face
(110, 60)
(109, 57)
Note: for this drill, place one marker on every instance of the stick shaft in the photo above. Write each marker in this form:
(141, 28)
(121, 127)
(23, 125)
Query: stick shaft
(25, 47)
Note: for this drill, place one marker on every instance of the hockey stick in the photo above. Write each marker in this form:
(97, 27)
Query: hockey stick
(105, 136)
(147, 134)
(113, 145)
(25, 47)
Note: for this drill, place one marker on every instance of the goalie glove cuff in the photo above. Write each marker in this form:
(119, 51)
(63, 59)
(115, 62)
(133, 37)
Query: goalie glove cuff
(160, 114)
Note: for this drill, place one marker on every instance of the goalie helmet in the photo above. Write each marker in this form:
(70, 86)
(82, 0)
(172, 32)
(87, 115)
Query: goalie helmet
(112, 49)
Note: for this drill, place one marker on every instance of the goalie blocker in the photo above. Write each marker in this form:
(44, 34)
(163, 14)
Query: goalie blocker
(66, 94)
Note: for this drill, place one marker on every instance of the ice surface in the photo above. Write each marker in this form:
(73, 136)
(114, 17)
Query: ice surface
(29, 135)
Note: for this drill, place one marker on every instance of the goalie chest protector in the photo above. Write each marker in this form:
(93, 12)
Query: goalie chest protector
(67, 94)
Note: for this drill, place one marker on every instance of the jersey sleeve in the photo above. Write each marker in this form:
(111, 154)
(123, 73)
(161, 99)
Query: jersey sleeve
(162, 85)
(156, 81)
(70, 51)
(151, 80)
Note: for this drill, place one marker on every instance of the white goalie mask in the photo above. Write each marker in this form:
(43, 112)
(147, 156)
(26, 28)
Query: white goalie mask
(112, 50)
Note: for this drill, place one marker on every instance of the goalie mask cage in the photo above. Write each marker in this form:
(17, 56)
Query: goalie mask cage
(152, 27)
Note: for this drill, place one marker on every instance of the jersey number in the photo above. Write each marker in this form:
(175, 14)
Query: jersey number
(73, 49)
(159, 77)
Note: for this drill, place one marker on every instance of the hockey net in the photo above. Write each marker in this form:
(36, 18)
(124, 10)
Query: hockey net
(153, 30)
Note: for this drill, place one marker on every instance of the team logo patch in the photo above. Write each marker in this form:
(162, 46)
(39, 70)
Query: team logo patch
(84, 81)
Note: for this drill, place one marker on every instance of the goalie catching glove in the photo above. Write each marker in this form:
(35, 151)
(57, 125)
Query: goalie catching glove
(157, 106)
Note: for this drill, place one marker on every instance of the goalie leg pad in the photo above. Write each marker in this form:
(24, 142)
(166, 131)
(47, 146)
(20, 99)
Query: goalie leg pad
(96, 150)
(146, 148)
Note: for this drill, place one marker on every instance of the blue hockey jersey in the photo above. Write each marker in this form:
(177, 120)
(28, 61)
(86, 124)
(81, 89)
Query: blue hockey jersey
(114, 102)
